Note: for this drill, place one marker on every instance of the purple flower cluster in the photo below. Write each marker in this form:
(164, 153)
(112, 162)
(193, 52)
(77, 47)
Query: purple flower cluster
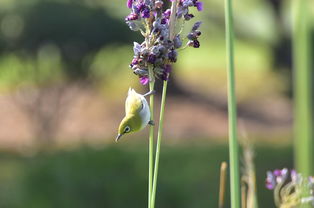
(159, 49)
(281, 176)
(290, 191)
(277, 176)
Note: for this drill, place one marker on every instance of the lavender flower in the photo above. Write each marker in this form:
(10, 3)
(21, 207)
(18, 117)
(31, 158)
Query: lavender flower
(293, 192)
(158, 50)
(144, 80)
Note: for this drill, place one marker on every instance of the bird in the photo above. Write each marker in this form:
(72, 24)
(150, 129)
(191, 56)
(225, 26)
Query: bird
(137, 113)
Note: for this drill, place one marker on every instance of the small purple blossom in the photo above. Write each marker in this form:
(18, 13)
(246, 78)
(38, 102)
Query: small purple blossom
(151, 59)
(194, 43)
(137, 48)
(140, 7)
(166, 72)
(270, 181)
(131, 17)
(188, 16)
(146, 13)
(167, 13)
(199, 5)
(129, 3)
(177, 41)
(144, 80)
(168, 68)
(277, 172)
(164, 21)
(172, 55)
(196, 26)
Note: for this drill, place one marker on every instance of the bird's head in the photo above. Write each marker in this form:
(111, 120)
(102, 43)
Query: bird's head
(126, 126)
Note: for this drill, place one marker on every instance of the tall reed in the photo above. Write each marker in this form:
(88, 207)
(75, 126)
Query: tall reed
(303, 78)
(232, 111)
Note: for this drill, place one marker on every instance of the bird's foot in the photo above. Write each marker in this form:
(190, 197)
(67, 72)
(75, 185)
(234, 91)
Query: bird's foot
(150, 93)
(151, 122)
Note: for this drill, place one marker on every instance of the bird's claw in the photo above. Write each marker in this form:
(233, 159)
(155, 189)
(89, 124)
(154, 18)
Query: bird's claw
(150, 93)
(151, 122)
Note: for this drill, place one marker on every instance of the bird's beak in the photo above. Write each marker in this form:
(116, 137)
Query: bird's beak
(118, 137)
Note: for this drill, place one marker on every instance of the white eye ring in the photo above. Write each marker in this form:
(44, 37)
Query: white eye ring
(127, 129)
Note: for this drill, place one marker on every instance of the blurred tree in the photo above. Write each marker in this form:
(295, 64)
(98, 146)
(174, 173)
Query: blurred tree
(46, 37)
(76, 30)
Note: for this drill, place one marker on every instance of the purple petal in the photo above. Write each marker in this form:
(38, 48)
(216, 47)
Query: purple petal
(270, 180)
(144, 80)
(137, 48)
(199, 5)
(196, 26)
(146, 13)
(129, 3)
(277, 172)
(270, 186)
(168, 68)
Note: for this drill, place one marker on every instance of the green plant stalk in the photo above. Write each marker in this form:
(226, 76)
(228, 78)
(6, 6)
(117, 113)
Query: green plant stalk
(160, 131)
(151, 138)
(303, 112)
(232, 111)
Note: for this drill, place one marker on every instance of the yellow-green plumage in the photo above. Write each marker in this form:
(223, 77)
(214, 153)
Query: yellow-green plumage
(137, 114)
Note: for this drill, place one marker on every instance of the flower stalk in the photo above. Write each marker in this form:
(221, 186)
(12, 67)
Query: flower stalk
(151, 138)
(232, 111)
(160, 131)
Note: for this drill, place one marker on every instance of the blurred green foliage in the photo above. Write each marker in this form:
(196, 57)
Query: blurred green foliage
(72, 33)
(116, 176)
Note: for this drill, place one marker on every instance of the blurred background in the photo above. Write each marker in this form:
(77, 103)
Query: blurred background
(64, 77)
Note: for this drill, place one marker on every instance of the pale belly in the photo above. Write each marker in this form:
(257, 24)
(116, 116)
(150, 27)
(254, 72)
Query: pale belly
(145, 113)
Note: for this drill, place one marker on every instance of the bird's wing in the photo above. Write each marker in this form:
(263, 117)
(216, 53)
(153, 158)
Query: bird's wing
(133, 103)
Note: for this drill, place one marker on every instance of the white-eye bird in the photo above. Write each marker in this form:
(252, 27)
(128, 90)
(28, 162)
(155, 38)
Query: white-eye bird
(137, 113)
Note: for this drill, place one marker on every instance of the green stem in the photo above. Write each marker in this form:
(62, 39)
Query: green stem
(151, 138)
(303, 112)
(160, 131)
(232, 112)
(302, 88)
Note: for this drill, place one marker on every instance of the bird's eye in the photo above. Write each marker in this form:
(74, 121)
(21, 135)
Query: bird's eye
(127, 129)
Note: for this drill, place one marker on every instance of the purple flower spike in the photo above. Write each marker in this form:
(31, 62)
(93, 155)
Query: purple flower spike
(144, 80)
(129, 3)
(162, 48)
(199, 5)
